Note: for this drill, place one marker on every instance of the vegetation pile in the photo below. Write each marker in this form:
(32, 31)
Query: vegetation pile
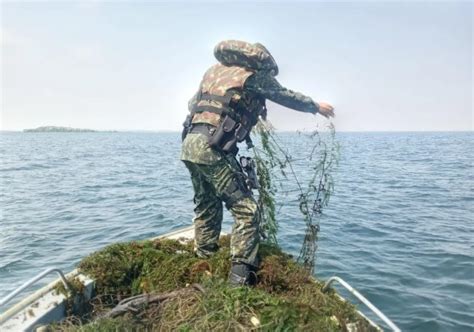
(169, 289)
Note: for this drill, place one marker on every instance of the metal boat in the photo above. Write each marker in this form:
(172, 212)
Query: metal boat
(46, 306)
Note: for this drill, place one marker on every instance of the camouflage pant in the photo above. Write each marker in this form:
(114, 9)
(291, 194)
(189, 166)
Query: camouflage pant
(223, 182)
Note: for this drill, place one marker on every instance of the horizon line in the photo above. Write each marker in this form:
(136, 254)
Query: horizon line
(281, 131)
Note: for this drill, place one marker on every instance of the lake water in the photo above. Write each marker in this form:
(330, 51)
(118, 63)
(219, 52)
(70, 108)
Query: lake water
(399, 228)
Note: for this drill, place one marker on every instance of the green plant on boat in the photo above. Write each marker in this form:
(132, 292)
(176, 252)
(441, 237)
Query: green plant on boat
(75, 300)
(285, 298)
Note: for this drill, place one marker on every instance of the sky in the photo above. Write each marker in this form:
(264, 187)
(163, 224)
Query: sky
(385, 66)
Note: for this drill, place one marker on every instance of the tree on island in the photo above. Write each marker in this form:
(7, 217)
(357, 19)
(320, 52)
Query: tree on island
(55, 129)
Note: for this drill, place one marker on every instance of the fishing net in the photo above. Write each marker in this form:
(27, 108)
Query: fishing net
(276, 171)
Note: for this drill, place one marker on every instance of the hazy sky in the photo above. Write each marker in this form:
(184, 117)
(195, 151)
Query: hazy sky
(134, 65)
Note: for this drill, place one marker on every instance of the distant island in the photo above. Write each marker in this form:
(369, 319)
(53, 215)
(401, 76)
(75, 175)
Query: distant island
(54, 129)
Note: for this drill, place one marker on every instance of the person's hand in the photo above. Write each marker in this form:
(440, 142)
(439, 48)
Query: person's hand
(326, 109)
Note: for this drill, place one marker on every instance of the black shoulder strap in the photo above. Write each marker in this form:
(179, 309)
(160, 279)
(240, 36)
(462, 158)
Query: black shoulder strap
(224, 100)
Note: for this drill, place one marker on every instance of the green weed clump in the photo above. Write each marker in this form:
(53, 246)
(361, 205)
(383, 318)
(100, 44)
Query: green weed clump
(285, 298)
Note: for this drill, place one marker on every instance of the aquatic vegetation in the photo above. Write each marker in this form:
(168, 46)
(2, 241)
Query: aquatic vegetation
(273, 160)
(75, 287)
(75, 300)
(266, 160)
(286, 297)
(325, 156)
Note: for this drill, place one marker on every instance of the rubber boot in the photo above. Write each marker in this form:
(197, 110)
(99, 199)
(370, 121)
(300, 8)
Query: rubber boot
(242, 275)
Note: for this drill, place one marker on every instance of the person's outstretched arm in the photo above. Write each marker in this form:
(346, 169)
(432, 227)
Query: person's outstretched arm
(267, 86)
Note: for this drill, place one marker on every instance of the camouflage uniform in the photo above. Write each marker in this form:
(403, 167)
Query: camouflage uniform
(217, 176)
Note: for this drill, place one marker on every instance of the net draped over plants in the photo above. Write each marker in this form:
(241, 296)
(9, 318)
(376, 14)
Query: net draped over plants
(275, 169)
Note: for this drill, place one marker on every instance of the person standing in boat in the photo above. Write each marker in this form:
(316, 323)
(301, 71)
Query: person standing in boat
(228, 103)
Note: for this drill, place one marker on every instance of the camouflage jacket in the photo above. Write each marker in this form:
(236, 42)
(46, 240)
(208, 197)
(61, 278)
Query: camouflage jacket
(195, 148)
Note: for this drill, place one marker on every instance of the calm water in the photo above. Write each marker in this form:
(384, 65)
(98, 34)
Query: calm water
(400, 227)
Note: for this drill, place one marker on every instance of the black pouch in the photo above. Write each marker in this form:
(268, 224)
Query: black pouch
(241, 133)
(224, 134)
(186, 127)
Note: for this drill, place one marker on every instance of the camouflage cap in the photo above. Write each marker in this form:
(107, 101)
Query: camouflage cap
(243, 54)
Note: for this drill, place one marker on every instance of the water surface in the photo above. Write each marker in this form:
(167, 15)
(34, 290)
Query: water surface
(399, 228)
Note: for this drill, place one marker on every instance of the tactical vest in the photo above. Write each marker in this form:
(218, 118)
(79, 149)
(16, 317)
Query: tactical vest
(221, 90)
(222, 101)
